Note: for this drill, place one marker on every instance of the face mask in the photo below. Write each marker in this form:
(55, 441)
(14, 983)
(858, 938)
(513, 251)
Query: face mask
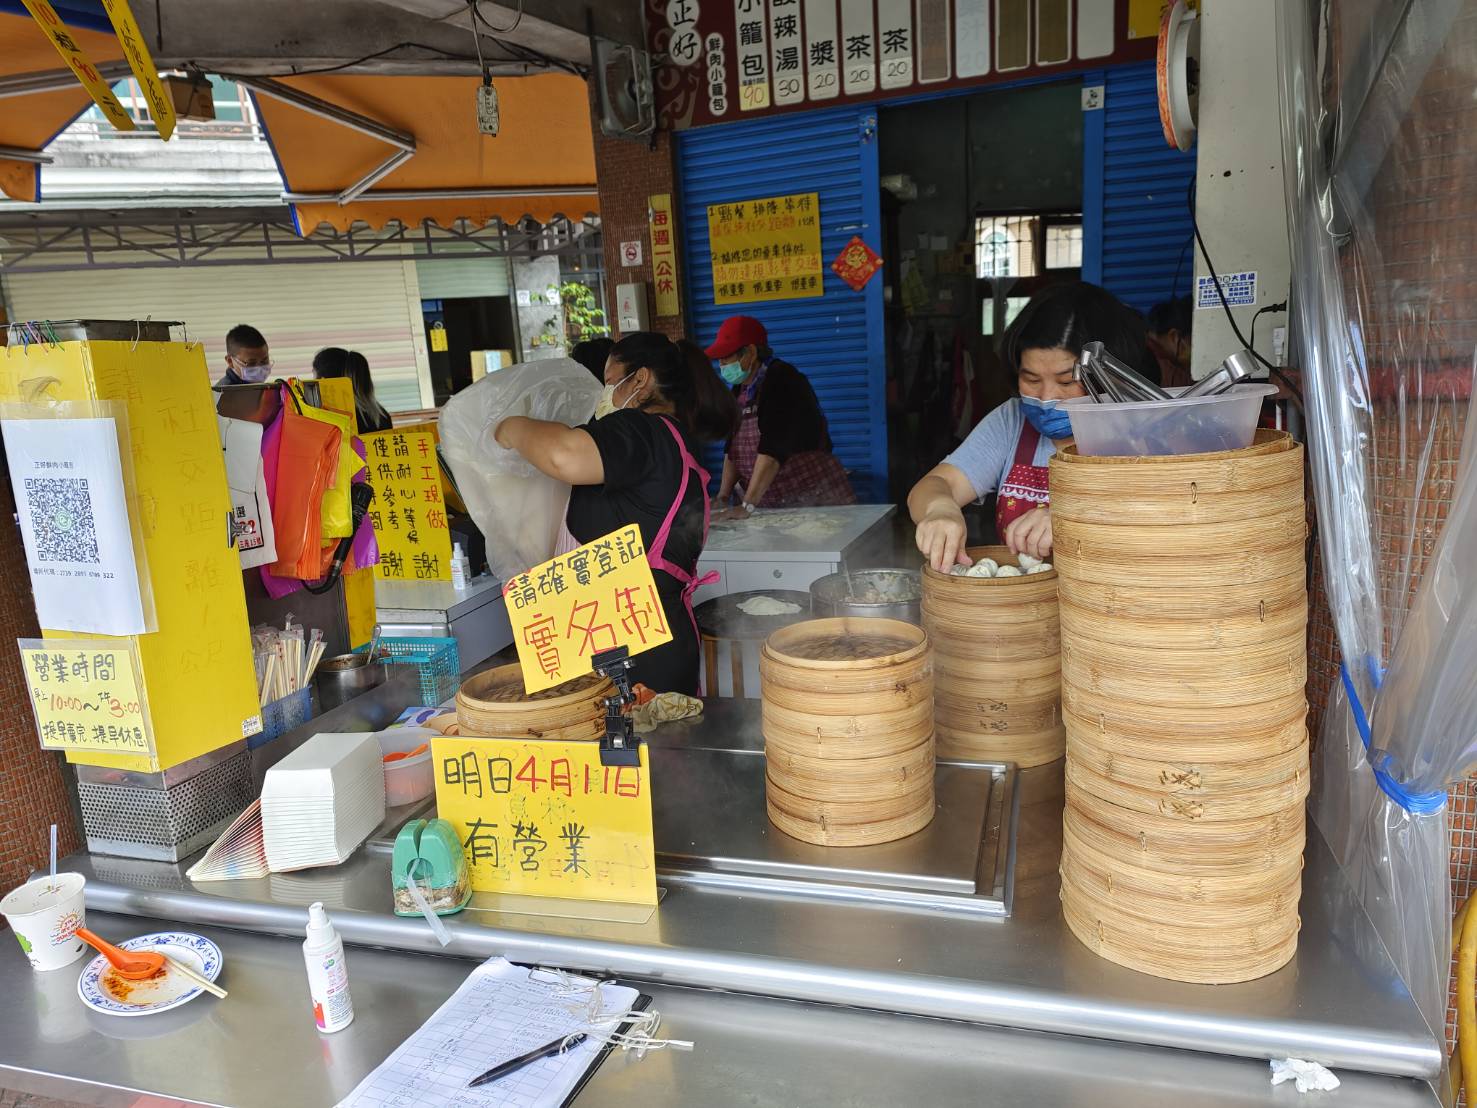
(253, 374)
(1047, 417)
(732, 372)
(606, 404)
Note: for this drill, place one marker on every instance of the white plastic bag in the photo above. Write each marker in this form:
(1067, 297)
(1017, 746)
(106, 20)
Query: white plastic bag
(517, 508)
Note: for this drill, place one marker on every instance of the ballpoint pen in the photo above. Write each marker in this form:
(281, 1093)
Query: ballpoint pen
(502, 1069)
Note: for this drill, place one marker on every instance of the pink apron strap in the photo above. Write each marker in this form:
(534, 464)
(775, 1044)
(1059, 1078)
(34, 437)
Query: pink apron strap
(656, 554)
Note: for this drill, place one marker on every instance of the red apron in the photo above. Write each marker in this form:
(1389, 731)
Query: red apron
(1025, 487)
(806, 480)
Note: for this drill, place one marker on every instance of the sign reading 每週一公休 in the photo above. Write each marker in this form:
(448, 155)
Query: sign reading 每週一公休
(663, 255)
(544, 817)
(85, 695)
(408, 512)
(766, 249)
(595, 598)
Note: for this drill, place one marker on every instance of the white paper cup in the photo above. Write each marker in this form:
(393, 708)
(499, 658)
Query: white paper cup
(45, 919)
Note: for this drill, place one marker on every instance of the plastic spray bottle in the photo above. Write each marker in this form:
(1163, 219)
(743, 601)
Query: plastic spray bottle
(328, 973)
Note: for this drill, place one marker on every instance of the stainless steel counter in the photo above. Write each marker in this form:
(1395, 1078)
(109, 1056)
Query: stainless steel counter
(258, 1048)
(1339, 1001)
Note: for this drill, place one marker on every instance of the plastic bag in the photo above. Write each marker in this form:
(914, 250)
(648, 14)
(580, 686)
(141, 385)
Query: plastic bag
(337, 515)
(517, 508)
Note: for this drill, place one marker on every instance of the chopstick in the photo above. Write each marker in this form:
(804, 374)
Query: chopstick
(204, 982)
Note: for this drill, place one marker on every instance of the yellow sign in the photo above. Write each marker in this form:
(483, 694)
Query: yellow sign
(408, 513)
(85, 696)
(545, 818)
(49, 22)
(438, 338)
(161, 108)
(767, 249)
(664, 255)
(593, 599)
(1144, 16)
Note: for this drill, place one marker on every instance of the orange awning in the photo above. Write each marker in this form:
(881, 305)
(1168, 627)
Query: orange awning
(540, 164)
(30, 121)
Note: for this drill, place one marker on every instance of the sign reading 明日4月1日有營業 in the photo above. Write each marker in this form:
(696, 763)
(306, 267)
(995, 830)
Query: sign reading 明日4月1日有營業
(85, 695)
(766, 249)
(408, 512)
(595, 598)
(544, 817)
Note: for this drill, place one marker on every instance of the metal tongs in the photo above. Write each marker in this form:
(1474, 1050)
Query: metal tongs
(1109, 380)
(1240, 366)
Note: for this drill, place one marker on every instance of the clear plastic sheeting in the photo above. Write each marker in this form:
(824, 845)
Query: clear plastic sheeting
(518, 509)
(1378, 116)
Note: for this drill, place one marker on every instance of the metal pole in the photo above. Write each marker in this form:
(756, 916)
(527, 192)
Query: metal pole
(324, 110)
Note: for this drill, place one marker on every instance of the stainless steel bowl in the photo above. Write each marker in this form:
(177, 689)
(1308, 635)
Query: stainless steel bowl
(876, 593)
(344, 676)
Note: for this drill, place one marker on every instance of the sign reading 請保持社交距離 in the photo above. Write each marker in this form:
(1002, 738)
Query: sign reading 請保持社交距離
(595, 598)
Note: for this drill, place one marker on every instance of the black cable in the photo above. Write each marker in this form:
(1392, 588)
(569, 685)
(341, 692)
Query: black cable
(377, 54)
(1281, 307)
(1282, 378)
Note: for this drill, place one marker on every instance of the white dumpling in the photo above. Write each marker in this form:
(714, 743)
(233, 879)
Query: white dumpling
(985, 568)
(1029, 562)
(1039, 567)
(1008, 571)
(992, 563)
(960, 571)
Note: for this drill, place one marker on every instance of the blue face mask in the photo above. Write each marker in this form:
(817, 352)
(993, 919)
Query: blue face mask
(1047, 417)
(732, 372)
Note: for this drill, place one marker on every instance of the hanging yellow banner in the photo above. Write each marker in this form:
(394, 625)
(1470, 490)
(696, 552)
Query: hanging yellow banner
(85, 696)
(161, 108)
(664, 255)
(766, 249)
(77, 61)
(593, 599)
(546, 818)
(409, 511)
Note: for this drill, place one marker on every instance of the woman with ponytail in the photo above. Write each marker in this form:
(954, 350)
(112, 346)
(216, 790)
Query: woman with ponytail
(636, 462)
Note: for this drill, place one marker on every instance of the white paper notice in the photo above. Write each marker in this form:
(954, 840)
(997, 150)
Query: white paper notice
(73, 510)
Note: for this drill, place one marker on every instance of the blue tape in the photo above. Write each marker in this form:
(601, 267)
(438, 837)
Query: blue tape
(1420, 804)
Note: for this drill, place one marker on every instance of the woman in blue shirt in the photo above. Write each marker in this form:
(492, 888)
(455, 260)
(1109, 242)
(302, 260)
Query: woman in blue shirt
(1008, 451)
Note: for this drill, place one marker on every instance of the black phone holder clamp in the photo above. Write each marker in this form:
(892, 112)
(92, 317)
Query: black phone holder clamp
(620, 746)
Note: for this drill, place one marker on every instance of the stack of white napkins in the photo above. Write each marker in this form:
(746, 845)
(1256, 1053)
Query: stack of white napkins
(322, 800)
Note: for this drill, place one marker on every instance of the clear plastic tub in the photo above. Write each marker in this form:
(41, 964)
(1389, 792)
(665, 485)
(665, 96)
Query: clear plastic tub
(407, 779)
(1199, 425)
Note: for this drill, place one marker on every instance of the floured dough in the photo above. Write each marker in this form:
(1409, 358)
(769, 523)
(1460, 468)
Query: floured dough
(767, 606)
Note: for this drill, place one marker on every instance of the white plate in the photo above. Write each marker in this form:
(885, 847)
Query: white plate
(103, 991)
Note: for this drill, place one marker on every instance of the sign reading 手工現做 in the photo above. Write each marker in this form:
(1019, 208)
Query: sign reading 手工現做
(85, 695)
(766, 249)
(408, 512)
(576, 605)
(544, 817)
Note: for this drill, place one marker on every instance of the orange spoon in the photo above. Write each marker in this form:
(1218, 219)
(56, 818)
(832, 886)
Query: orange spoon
(135, 967)
(400, 755)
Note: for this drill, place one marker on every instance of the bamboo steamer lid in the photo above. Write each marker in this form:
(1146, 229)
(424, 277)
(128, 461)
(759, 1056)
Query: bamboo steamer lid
(1273, 459)
(493, 703)
(1188, 776)
(845, 656)
(1024, 748)
(1189, 804)
(863, 834)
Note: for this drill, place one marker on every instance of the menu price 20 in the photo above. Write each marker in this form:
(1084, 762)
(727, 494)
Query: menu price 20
(595, 598)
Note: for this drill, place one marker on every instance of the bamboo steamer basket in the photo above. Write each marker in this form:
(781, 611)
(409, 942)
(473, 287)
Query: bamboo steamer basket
(494, 704)
(1109, 485)
(1187, 776)
(1190, 804)
(1226, 746)
(1286, 676)
(1226, 722)
(997, 664)
(848, 730)
(1218, 632)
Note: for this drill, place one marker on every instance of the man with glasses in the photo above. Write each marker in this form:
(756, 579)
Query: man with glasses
(248, 361)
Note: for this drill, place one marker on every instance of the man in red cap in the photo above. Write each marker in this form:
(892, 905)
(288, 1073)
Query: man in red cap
(781, 455)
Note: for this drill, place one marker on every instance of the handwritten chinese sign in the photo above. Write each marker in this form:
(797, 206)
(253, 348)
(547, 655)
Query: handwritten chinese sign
(768, 249)
(85, 695)
(545, 818)
(79, 63)
(593, 599)
(664, 255)
(408, 513)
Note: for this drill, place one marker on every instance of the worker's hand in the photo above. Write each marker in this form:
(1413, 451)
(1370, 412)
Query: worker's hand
(941, 538)
(730, 514)
(1030, 533)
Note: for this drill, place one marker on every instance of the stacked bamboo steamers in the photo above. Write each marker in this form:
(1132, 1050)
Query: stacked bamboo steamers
(1183, 610)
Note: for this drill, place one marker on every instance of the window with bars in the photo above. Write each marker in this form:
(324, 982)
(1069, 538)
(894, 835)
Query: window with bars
(1016, 245)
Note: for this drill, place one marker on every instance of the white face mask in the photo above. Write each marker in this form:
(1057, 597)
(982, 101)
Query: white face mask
(252, 374)
(606, 404)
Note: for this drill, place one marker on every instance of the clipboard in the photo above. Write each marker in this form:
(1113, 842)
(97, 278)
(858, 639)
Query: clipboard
(643, 1002)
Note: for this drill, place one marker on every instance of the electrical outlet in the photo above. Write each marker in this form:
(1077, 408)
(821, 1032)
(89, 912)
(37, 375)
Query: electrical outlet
(1279, 345)
(487, 115)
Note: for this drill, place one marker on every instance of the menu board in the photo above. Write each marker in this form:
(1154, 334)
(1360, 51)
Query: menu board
(85, 695)
(595, 598)
(766, 249)
(408, 512)
(546, 818)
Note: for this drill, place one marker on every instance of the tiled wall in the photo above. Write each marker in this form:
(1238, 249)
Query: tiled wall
(1413, 287)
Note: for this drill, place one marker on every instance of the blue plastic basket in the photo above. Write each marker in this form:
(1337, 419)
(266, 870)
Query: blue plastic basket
(437, 660)
(281, 716)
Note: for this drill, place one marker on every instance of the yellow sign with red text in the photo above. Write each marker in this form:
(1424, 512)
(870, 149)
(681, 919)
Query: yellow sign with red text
(595, 598)
(766, 249)
(408, 512)
(546, 818)
(664, 255)
(78, 62)
(85, 696)
(161, 108)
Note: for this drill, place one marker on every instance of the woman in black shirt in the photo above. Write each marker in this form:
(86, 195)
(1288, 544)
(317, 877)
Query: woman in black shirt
(635, 462)
(335, 361)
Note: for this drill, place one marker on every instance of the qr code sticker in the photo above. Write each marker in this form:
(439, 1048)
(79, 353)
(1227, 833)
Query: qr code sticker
(61, 514)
